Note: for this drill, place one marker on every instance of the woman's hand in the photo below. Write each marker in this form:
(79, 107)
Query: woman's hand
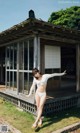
(64, 72)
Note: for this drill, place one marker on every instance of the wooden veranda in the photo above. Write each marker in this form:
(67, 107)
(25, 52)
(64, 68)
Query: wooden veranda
(53, 104)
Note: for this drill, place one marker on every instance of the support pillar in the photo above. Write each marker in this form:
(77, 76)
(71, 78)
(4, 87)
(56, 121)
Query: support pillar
(18, 69)
(2, 68)
(78, 68)
(37, 52)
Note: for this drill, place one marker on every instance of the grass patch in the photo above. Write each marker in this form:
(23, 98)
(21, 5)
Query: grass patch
(23, 120)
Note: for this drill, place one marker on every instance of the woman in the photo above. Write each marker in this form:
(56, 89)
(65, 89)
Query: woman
(40, 95)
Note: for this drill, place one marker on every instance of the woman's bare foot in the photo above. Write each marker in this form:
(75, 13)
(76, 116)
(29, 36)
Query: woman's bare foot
(34, 125)
(40, 122)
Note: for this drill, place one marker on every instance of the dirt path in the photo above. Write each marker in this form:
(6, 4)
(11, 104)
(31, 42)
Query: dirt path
(5, 126)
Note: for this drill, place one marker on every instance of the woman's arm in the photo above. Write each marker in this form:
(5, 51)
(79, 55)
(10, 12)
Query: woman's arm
(56, 74)
(31, 90)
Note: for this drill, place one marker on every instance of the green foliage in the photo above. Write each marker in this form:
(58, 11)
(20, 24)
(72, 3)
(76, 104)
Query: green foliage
(68, 18)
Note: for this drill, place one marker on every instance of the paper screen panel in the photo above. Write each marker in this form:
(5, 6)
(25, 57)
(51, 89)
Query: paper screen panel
(52, 57)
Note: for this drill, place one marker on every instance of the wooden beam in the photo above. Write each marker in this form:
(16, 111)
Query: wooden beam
(60, 39)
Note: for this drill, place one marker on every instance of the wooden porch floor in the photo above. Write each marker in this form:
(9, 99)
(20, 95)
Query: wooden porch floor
(22, 96)
(56, 101)
(66, 91)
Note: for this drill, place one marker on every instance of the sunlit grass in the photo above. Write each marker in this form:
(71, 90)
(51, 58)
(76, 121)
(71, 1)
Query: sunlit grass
(23, 120)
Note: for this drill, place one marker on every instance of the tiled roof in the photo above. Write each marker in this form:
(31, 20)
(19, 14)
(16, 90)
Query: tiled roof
(35, 26)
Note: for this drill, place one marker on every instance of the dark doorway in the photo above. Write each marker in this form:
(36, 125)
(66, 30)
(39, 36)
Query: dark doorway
(2, 65)
(68, 63)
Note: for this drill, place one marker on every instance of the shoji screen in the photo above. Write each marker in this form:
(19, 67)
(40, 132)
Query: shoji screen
(52, 57)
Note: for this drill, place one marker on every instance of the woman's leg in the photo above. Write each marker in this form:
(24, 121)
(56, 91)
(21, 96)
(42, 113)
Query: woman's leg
(37, 99)
(40, 109)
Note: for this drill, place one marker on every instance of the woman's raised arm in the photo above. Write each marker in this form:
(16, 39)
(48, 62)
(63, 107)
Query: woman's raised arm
(56, 74)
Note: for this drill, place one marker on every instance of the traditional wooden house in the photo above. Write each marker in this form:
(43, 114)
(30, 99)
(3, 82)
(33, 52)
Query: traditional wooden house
(50, 48)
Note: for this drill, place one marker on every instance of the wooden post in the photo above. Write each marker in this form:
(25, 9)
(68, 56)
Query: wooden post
(2, 69)
(42, 58)
(37, 52)
(18, 69)
(78, 68)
